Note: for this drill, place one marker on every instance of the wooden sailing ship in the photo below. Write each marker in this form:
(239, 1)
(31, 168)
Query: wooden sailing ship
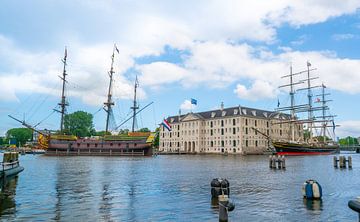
(312, 144)
(131, 144)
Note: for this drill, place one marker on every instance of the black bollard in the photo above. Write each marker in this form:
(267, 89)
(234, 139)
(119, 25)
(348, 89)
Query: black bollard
(225, 206)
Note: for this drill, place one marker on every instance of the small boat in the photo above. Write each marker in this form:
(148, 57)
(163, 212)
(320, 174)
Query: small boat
(10, 165)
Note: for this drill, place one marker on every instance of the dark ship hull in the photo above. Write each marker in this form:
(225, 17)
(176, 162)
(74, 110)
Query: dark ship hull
(288, 148)
(108, 146)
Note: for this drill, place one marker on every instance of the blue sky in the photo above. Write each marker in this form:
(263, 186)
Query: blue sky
(218, 51)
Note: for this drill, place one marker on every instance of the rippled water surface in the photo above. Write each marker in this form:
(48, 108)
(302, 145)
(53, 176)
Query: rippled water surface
(175, 188)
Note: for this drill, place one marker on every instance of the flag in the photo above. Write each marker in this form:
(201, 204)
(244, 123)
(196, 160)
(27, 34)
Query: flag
(278, 103)
(116, 49)
(166, 125)
(308, 63)
(333, 125)
(194, 101)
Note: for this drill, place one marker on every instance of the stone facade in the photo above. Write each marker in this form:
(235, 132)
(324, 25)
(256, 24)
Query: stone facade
(229, 130)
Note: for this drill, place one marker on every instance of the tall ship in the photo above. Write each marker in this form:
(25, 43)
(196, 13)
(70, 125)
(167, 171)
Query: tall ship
(130, 144)
(319, 129)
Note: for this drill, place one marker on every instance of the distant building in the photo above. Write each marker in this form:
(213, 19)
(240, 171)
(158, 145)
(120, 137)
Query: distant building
(227, 130)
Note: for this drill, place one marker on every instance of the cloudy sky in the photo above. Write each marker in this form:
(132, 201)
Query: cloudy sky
(214, 51)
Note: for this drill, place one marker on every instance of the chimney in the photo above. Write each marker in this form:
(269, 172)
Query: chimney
(222, 106)
(179, 114)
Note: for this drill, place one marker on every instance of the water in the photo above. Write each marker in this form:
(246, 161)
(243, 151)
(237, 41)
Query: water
(175, 188)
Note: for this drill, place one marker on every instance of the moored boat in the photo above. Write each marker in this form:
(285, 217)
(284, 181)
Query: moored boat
(10, 165)
(318, 140)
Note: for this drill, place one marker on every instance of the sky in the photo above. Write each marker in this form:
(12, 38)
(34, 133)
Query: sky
(233, 52)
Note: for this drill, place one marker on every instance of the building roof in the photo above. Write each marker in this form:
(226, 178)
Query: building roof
(232, 112)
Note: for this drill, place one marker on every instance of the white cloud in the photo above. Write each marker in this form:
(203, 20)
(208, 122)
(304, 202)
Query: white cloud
(348, 128)
(258, 90)
(340, 37)
(186, 105)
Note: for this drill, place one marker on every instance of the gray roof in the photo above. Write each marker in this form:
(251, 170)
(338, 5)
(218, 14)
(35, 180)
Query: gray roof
(230, 112)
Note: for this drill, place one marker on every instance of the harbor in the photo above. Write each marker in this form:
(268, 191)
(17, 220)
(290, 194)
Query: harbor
(177, 188)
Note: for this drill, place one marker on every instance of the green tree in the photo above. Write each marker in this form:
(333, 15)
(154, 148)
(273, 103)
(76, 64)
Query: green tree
(145, 130)
(21, 135)
(124, 132)
(157, 136)
(101, 133)
(79, 123)
(348, 141)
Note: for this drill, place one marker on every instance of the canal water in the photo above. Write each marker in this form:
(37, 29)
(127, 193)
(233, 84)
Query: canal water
(175, 188)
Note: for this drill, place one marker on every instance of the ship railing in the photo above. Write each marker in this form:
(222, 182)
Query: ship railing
(9, 165)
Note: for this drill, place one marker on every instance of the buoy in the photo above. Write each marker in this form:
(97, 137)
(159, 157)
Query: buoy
(312, 190)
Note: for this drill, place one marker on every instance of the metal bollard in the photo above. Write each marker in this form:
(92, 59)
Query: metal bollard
(270, 161)
(278, 160)
(224, 207)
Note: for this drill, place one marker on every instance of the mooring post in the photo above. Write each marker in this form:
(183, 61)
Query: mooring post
(283, 162)
(223, 214)
(342, 162)
(350, 161)
(274, 162)
(335, 162)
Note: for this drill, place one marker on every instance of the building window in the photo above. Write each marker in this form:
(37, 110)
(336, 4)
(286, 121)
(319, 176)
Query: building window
(280, 132)
(234, 142)
(211, 124)
(211, 132)
(246, 122)
(212, 143)
(234, 130)
(234, 122)
(222, 143)
(256, 143)
(255, 122)
(246, 130)
(222, 131)
(178, 134)
(222, 122)
(267, 124)
(246, 143)
(178, 144)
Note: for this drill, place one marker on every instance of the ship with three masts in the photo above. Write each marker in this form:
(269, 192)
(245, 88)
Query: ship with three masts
(130, 144)
(319, 136)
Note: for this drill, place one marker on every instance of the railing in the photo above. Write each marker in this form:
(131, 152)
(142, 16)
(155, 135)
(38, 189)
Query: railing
(350, 148)
(9, 165)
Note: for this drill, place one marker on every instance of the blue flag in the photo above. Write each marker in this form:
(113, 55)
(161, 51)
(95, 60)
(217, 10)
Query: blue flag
(194, 101)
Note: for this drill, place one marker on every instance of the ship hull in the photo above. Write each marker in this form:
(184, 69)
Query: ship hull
(90, 147)
(295, 149)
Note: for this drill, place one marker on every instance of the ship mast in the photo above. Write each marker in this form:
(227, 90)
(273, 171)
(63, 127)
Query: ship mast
(109, 101)
(310, 111)
(63, 102)
(135, 106)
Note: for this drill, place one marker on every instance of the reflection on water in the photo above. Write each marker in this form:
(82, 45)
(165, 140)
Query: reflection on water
(7, 196)
(175, 188)
(314, 205)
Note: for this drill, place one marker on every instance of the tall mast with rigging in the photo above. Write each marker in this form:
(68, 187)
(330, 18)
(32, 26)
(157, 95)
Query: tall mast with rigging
(109, 103)
(135, 106)
(63, 102)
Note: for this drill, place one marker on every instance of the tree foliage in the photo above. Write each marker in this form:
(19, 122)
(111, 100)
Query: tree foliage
(145, 130)
(79, 123)
(124, 132)
(157, 136)
(21, 135)
(348, 141)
